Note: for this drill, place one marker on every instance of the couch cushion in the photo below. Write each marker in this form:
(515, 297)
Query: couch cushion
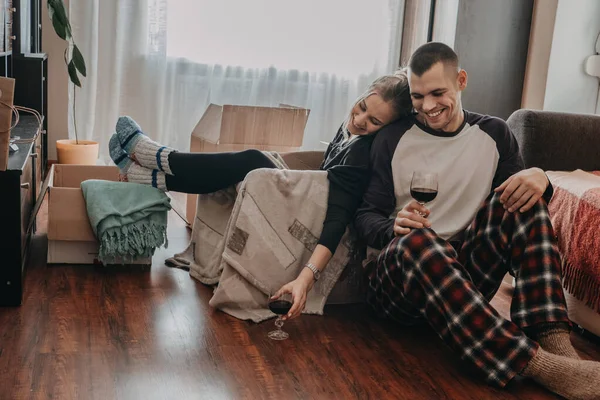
(557, 141)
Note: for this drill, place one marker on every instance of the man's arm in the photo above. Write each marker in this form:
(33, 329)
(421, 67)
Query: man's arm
(373, 222)
(511, 166)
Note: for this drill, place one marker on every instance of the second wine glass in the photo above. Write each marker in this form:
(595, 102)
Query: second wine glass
(280, 306)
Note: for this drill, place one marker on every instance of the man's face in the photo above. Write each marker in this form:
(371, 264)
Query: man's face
(436, 97)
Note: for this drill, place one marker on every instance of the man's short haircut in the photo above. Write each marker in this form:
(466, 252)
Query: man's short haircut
(429, 54)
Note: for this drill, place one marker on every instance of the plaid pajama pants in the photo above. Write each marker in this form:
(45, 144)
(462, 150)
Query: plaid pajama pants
(420, 277)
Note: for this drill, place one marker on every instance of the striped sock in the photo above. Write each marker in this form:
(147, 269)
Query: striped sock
(118, 155)
(141, 148)
(138, 174)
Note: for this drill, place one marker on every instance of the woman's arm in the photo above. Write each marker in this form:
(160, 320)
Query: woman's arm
(300, 286)
(347, 183)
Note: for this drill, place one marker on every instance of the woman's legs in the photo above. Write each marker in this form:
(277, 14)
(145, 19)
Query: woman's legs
(142, 160)
(202, 173)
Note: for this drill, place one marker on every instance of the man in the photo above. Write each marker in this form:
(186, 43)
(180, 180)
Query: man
(444, 262)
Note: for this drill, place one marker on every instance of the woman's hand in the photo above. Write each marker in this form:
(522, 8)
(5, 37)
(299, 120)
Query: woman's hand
(412, 215)
(299, 289)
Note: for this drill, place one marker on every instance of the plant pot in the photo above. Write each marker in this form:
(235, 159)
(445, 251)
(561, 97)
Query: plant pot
(70, 152)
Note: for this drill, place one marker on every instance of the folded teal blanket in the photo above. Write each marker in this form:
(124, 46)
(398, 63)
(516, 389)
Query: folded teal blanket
(129, 219)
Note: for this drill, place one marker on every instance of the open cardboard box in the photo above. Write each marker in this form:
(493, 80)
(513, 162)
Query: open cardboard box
(71, 239)
(236, 128)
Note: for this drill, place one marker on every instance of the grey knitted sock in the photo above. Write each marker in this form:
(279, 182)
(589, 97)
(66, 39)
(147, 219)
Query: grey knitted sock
(558, 342)
(141, 148)
(570, 378)
(138, 174)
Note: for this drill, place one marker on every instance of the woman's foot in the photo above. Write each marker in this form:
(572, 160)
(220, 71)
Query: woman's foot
(131, 171)
(138, 174)
(140, 147)
(118, 155)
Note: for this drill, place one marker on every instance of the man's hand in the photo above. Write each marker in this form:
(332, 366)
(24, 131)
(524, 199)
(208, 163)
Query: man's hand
(412, 215)
(523, 189)
(299, 289)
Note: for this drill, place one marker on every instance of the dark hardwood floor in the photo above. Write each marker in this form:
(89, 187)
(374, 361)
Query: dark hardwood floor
(88, 332)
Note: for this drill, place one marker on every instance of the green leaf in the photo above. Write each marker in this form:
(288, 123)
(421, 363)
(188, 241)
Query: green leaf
(59, 18)
(73, 73)
(61, 30)
(78, 60)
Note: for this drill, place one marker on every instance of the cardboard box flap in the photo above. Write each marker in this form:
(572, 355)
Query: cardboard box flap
(263, 125)
(250, 125)
(209, 126)
(71, 175)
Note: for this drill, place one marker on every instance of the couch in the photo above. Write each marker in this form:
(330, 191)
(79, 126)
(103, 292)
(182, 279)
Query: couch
(557, 141)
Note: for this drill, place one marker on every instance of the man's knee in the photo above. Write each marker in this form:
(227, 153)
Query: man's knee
(413, 243)
(496, 204)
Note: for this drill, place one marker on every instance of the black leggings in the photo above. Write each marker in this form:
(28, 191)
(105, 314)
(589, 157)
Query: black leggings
(201, 173)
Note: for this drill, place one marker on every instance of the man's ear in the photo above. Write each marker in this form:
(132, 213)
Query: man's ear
(462, 79)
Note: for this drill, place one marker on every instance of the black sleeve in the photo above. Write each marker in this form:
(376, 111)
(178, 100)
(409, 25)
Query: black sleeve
(547, 196)
(511, 160)
(347, 183)
(346, 187)
(335, 139)
(373, 222)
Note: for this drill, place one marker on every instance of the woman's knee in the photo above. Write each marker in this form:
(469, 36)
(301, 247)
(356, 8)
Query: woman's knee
(256, 158)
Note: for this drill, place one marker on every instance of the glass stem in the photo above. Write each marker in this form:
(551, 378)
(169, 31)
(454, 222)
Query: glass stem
(419, 212)
(279, 322)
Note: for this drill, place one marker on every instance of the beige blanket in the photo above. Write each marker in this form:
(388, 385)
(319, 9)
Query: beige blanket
(253, 240)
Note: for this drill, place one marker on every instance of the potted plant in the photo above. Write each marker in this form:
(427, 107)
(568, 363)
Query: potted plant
(71, 151)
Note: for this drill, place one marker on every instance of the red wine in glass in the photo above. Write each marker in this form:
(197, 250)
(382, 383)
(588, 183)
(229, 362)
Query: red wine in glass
(280, 306)
(424, 186)
(423, 195)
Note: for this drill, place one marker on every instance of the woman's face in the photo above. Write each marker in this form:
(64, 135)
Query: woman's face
(370, 115)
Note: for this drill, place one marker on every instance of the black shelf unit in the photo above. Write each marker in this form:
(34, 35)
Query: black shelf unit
(20, 184)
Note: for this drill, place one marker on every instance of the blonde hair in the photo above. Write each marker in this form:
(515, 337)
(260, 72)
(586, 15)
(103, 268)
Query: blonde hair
(393, 89)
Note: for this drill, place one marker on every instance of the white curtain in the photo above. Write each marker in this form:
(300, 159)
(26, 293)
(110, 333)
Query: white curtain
(164, 61)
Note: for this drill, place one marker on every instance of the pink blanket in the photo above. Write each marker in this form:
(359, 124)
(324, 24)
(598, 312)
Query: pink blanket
(575, 213)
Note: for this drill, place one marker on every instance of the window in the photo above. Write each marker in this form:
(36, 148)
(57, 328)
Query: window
(345, 37)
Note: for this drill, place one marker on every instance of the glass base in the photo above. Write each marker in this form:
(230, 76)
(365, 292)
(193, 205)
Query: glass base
(278, 335)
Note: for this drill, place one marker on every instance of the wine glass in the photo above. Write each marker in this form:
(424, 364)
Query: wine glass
(424, 187)
(280, 306)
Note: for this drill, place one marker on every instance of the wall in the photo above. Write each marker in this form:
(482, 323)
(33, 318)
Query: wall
(538, 58)
(568, 87)
(58, 83)
(492, 40)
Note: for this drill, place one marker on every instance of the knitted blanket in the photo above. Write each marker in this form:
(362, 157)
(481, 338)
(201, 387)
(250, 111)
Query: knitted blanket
(253, 240)
(128, 219)
(575, 214)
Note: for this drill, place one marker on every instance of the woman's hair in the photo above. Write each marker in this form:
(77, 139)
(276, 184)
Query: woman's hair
(393, 89)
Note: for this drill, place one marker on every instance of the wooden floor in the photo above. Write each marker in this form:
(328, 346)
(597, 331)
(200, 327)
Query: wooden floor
(88, 332)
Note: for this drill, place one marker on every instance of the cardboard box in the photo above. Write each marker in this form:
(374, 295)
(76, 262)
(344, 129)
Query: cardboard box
(71, 239)
(236, 128)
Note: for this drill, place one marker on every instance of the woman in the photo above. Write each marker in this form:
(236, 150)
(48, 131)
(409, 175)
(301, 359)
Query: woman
(346, 161)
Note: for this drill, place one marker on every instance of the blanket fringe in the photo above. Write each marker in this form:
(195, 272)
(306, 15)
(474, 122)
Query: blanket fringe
(129, 242)
(581, 285)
